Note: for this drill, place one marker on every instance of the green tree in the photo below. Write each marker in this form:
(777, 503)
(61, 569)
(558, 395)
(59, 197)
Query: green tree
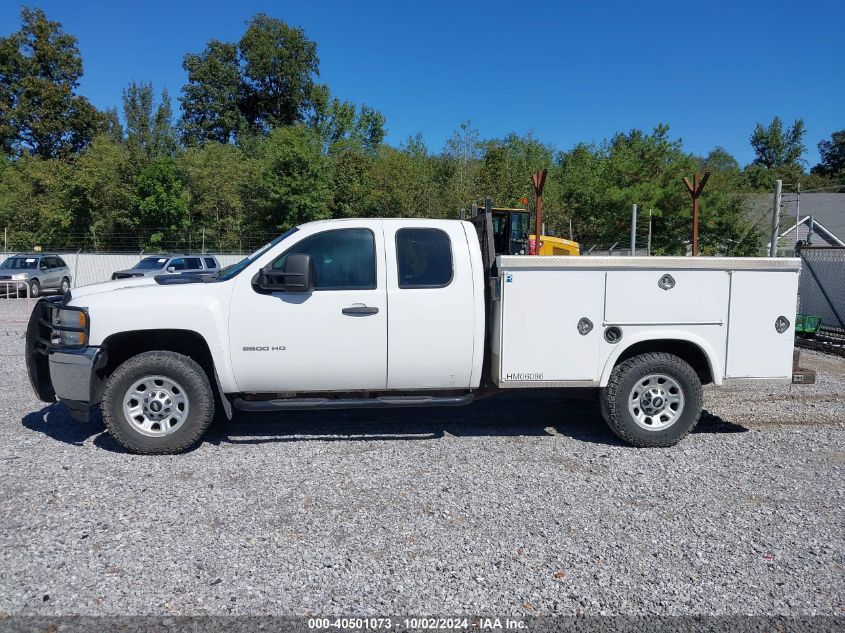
(405, 183)
(339, 121)
(40, 113)
(102, 195)
(279, 67)
(211, 98)
(777, 148)
(149, 127)
(352, 181)
(162, 206)
(461, 163)
(216, 178)
(832, 155)
(32, 202)
(292, 179)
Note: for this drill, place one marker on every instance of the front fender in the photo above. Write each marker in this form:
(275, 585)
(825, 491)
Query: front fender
(201, 308)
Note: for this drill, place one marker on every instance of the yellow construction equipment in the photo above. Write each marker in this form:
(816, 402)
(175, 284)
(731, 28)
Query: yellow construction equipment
(511, 235)
(556, 246)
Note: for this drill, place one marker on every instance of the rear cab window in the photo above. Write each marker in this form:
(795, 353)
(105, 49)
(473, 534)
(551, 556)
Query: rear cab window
(210, 263)
(423, 258)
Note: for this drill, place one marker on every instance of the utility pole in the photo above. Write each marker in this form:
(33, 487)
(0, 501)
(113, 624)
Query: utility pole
(797, 215)
(633, 230)
(538, 179)
(773, 245)
(694, 190)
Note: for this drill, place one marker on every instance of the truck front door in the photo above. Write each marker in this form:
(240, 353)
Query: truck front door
(334, 338)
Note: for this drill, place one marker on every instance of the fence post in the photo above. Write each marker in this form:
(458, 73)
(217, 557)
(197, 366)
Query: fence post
(773, 246)
(633, 230)
(75, 268)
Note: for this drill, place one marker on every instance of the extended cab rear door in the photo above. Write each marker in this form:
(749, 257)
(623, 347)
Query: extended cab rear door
(435, 324)
(331, 339)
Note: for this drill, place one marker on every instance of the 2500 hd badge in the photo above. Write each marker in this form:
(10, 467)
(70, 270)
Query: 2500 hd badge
(264, 348)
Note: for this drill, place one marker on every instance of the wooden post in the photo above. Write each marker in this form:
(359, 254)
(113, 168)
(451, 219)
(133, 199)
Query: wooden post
(694, 190)
(538, 179)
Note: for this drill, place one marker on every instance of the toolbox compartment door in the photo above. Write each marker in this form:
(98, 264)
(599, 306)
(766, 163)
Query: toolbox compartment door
(540, 341)
(684, 297)
(755, 348)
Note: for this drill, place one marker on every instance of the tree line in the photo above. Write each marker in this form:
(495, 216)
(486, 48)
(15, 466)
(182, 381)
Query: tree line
(261, 145)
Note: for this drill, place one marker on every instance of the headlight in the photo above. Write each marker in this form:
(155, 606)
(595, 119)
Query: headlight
(70, 328)
(20, 276)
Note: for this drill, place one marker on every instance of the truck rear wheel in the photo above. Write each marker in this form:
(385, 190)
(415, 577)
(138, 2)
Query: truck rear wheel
(158, 403)
(652, 400)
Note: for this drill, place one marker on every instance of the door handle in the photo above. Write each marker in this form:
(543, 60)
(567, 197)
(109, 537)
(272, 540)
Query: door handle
(359, 310)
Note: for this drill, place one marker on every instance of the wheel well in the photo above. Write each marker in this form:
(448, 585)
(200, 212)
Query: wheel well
(686, 350)
(124, 345)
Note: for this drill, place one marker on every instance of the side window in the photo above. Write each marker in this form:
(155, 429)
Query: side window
(193, 263)
(343, 259)
(424, 258)
(177, 264)
(43, 264)
(210, 263)
(60, 262)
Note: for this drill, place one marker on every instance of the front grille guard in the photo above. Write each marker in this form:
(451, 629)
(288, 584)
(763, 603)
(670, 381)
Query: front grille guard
(46, 328)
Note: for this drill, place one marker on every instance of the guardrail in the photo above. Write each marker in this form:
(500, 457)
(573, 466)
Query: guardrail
(15, 306)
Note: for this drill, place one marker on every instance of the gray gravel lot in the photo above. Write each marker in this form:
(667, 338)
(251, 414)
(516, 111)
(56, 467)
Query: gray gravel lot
(519, 505)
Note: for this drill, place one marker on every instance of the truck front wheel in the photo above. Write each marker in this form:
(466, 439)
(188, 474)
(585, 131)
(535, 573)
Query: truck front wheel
(652, 400)
(157, 403)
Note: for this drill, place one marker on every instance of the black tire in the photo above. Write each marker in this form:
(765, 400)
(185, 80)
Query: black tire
(621, 387)
(65, 285)
(181, 369)
(34, 288)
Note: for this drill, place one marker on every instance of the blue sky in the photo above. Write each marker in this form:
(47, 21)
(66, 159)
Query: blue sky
(567, 72)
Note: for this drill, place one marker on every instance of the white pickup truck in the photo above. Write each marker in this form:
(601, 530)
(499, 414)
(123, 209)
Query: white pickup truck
(406, 313)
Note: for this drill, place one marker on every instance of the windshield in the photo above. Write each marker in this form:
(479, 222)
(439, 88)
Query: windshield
(233, 269)
(150, 263)
(20, 263)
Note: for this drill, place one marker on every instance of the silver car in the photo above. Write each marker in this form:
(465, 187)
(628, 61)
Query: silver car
(33, 273)
(160, 264)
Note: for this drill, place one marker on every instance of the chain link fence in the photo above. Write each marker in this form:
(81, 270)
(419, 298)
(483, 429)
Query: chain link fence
(821, 289)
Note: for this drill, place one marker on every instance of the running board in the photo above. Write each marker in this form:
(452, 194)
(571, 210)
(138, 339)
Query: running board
(385, 402)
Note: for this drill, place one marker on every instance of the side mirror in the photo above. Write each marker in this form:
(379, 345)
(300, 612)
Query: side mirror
(297, 277)
(171, 269)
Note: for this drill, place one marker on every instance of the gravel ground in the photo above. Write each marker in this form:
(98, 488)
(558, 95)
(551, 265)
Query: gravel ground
(521, 505)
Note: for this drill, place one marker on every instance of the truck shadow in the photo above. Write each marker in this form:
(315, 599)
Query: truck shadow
(531, 415)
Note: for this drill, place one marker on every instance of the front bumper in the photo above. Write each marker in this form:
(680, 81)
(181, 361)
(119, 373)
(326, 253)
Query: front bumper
(70, 373)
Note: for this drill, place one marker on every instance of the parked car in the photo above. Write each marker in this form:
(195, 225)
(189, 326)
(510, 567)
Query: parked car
(161, 264)
(33, 273)
(407, 313)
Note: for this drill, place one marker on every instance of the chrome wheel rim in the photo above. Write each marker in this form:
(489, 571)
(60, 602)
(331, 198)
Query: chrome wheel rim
(155, 406)
(656, 402)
